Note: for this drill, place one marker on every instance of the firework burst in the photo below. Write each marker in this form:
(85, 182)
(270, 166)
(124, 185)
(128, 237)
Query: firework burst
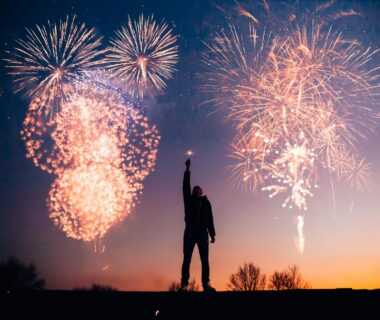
(45, 63)
(300, 103)
(143, 55)
(105, 149)
(100, 147)
(93, 110)
(86, 200)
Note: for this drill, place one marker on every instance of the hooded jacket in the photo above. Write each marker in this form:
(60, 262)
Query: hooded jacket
(198, 211)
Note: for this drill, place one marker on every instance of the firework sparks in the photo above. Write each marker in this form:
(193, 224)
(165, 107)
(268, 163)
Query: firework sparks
(101, 148)
(87, 200)
(105, 150)
(249, 154)
(143, 55)
(79, 128)
(46, 62)
(189, 153)
(359, 173)
(293, 170)
(94, 115)
(300, 103)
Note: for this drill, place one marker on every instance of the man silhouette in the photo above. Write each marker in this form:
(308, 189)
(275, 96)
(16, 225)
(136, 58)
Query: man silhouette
(199, 224)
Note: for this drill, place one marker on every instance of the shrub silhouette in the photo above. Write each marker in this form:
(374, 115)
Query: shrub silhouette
(289, 279)
(248, 278)
(17, 276)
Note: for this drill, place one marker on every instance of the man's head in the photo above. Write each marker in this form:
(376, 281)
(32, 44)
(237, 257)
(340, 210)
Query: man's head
(197, 191)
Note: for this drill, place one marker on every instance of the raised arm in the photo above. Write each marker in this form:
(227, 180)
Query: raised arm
(186, 185)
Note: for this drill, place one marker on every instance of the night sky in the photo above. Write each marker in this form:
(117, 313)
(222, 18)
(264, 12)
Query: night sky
(144, 252)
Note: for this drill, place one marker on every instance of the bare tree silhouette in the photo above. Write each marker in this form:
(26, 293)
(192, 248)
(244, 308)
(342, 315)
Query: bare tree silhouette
(248, 278)
(289, 279)
(17, 276)
(175, 286)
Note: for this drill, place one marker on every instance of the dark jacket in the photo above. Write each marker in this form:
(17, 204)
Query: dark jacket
(198, 212)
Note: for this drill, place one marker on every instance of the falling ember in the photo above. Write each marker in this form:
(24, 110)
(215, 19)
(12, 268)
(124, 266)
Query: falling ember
(142, 56)
(300, 240)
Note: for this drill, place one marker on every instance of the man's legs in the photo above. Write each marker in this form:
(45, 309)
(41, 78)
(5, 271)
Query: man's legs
(188, 247)
(202, 242)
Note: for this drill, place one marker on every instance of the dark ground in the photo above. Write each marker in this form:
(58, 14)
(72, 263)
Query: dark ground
(303, 304)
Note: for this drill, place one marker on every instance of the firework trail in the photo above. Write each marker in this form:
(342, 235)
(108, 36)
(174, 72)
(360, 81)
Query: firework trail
(300, 240)
(46, 62)
(143, 55)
